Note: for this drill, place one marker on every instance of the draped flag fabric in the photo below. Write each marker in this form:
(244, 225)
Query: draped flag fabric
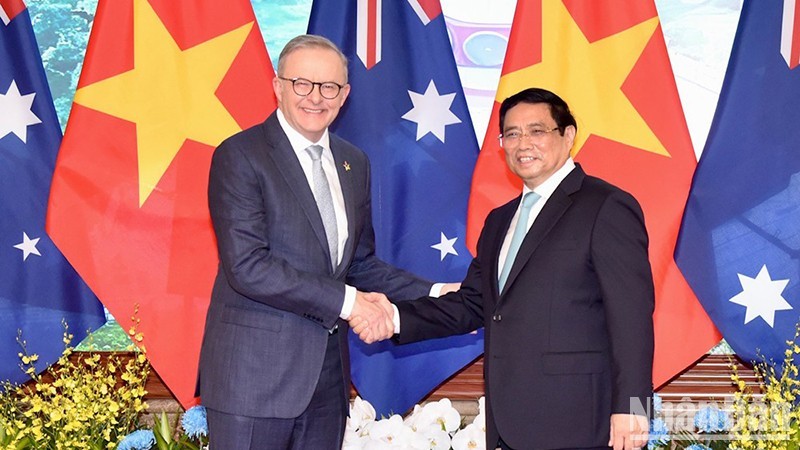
(608, 61)
(38, 287)
(163, 83)
(739, 240)
(407, 111)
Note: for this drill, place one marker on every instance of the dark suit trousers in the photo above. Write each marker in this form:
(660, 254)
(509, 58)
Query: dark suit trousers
(320, 426)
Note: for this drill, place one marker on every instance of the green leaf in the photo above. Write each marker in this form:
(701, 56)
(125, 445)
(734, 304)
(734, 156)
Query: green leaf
(163, 432)
(164, 427)
(160, 442)
(184, 443)
(24, 444)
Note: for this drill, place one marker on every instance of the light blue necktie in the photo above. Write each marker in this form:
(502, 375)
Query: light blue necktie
(322, 194)
(519, 235)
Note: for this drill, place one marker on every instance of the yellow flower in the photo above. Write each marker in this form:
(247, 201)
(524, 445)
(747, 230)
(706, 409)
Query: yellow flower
(92, 404)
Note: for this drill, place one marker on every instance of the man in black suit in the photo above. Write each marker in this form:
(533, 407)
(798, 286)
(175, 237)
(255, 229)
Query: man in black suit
(290, 204)
(562, 284)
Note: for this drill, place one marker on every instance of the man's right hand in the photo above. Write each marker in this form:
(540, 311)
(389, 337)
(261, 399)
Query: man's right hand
(371, 318)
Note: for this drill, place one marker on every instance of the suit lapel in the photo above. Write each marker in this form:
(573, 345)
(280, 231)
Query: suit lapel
(348, 192)
(289, 167)
(556, 206)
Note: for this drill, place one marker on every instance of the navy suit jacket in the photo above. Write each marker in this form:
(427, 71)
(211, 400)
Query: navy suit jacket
(570, 339)
(275, 296)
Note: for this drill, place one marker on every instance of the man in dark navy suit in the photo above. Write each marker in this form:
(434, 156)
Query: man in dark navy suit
(562, 284)
(290, 204)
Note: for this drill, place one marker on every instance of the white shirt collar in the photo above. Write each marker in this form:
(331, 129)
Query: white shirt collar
(546, 189)
(298, 141)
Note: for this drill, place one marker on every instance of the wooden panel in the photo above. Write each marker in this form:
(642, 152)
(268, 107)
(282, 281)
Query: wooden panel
(705, 381)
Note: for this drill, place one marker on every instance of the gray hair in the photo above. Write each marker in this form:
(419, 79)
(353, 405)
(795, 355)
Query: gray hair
(310, 41)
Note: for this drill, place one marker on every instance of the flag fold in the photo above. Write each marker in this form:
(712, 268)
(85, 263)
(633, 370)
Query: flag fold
(407, 111)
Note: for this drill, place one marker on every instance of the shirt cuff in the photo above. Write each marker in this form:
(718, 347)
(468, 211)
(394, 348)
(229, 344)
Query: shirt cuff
(349, 301)
(436, 290)
(396, 319)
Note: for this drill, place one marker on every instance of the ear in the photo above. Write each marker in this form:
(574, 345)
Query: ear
(276, 86)
(345, 92)
(569, 135)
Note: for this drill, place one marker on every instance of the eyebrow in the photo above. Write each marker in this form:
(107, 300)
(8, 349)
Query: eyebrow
(526, 126)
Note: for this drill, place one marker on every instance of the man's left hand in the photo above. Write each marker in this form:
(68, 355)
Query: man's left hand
(628, 431)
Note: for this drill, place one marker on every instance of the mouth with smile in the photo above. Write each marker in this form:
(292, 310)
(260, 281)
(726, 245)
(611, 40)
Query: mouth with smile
(528, 159)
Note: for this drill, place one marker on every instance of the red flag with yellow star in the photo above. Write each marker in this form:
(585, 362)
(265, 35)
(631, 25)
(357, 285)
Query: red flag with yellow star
(163, 83)
(607, 59)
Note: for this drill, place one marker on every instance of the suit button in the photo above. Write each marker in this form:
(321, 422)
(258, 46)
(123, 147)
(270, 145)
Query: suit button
(497, 317)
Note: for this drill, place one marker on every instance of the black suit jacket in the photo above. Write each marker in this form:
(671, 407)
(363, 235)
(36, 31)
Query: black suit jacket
(275, 296)
(570, 340)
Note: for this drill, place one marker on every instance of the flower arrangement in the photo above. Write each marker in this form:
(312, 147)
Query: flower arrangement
(435, 426)
(94, 401)
(773, 422)
(707, 429)
(191, 435)
(749, 422)
(91, 403)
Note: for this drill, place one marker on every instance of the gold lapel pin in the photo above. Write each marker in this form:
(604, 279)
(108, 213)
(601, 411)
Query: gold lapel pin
(346, 166)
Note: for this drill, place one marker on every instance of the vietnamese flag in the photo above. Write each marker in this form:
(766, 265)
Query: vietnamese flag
(163, 83)
(607, 59)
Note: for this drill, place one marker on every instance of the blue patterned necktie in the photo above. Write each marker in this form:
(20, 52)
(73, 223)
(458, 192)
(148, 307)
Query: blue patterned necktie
(519, 235)
(324, 199)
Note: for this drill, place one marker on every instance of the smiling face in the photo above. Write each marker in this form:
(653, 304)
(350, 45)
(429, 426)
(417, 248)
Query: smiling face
(310, 115)
(534, 159)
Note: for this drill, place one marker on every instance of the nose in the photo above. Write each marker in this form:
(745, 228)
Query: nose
(526, 141)
(315, 95)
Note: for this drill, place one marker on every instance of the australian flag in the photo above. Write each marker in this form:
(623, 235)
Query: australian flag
(407, 111)
(739, 244)
(38, 288)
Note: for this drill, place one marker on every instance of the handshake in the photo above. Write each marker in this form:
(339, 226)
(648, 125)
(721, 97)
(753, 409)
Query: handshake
(372, 318)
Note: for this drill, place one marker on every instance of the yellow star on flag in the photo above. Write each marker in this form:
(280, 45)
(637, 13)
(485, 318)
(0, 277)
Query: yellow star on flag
(169, 94)
(589, 76)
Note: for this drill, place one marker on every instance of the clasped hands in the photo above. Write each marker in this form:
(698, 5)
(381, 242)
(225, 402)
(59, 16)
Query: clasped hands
(372, 317)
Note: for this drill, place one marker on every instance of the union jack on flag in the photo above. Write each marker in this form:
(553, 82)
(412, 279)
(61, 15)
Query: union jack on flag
(369, 21)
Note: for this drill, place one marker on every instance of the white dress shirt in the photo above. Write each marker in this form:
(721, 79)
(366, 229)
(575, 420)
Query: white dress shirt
(299, 144)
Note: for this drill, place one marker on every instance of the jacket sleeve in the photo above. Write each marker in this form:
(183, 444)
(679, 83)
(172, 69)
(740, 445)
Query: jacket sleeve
(452, 314)
(619, 253)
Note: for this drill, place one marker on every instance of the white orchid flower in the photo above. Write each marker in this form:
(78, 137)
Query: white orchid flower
(391, 431)
(361, 413)
(470, 437)
(435, 440)
(354, 440)
(439, 414)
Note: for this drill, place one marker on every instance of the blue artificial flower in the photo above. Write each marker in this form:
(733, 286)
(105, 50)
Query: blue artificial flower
(659, 434)
(195, 422)
(138, 440)
(656, 403)
(711, 420)
(698, 447)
